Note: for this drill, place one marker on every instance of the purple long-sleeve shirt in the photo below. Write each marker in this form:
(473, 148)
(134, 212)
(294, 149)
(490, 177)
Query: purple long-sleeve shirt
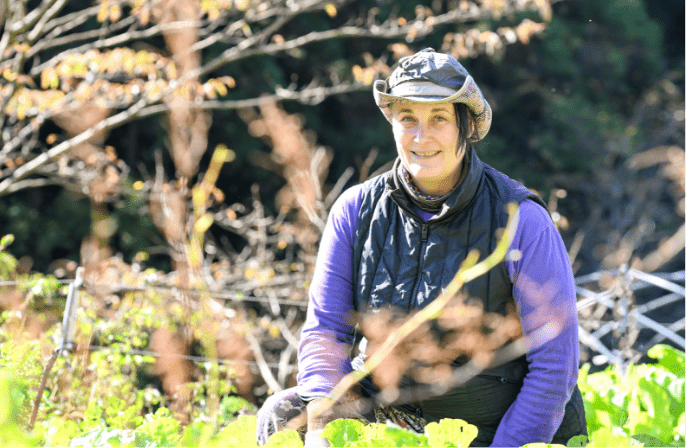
(544, 291)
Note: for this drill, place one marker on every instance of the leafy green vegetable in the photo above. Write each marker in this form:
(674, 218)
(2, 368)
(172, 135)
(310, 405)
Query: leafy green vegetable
(241, 432)
(286, 438)
(669, 357)
(343, 431)
(450, 432)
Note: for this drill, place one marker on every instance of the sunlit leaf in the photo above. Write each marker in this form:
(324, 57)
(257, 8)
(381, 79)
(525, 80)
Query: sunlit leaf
(450, 432)
(102, 15)
(284, 438)
(115, 13)
(331, 10)
(669, 357)
(342, 431)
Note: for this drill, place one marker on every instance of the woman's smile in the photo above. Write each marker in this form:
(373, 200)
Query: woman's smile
(425, 154)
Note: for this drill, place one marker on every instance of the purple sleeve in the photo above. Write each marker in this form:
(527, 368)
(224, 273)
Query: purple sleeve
(328, 332)
(544, 291)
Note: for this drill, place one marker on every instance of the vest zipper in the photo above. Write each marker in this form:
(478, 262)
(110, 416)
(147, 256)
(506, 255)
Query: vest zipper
(425, 237)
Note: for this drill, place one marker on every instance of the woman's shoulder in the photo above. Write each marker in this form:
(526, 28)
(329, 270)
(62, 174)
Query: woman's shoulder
(345, 209)
(507, 189)
(534, 216)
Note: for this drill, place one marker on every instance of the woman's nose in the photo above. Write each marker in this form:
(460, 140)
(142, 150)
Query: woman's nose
(420, 133)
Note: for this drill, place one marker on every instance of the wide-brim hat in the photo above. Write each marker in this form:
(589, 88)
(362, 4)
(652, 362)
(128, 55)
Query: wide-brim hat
(432, 78)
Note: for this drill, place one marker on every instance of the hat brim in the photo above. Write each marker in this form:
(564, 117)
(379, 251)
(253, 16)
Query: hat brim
(469, 94)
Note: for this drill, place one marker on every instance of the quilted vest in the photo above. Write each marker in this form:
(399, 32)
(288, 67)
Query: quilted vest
(403, 263)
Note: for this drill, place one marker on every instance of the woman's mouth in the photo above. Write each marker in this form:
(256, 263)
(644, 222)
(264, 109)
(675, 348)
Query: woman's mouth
(425, 154)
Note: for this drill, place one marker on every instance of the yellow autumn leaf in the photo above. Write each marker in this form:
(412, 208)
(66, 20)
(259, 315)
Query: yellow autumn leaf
(357, 72)
(220, 88)
(213, 13)
(10, 75)
(54, 80)
(145, 16)
(129, 64)
(274, 331)
(102, 15)
(368, 77)
(330, 10)
(172, 71)
(22, 48)
(242, 5)
(115, 13)
(229, 81)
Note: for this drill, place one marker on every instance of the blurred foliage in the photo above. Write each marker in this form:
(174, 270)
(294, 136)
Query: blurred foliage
(562, 103)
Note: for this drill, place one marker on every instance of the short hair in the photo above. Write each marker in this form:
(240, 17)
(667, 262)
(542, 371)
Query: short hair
(465, 123)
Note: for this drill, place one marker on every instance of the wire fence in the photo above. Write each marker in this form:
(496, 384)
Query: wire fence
(610, 321)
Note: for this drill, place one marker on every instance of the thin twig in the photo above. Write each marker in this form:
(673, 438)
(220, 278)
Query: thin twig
(266, 373)
(42, 386)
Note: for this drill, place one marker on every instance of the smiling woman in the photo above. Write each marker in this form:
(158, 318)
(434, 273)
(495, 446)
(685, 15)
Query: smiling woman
(427, 139)
(394, 242)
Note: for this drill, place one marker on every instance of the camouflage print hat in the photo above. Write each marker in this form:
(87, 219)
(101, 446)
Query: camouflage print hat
(431, 78)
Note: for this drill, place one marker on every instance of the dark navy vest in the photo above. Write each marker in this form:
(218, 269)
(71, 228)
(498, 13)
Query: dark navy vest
(402, 263)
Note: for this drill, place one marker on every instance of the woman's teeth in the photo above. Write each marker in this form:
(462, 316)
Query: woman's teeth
(425, 154)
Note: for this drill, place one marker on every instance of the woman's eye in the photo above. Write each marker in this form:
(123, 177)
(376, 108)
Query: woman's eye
(406, 119)
(439, 118)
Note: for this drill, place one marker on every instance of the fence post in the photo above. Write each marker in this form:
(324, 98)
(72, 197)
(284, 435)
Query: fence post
(71, 305)
(67, 344)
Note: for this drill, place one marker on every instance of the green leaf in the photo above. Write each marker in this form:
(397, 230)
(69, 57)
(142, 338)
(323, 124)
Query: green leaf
(680, 429)
(374, 431)
(6, 241)
(343, 431)
(648, 440)
(604, 437)
(241, 432)
(61, 432)
(369, 442)
(196, 434)
(450, 432)
(287, 438)
(576, 441)
(404, 437)
(656, 398)
(669, 357)
(105, 437)
(164, 431)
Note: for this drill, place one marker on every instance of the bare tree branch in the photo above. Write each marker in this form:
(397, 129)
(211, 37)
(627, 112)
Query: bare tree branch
(53, 10)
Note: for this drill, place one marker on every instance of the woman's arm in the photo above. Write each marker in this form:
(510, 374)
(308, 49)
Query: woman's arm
(544, 291)
(328, 332)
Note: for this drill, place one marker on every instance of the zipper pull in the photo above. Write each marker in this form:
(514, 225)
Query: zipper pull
(425, 233)
(503, 380)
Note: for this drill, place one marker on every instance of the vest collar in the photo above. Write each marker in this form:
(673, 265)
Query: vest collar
(462, 196)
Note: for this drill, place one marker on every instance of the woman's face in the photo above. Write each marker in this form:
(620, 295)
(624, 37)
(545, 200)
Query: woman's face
(427, 136)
